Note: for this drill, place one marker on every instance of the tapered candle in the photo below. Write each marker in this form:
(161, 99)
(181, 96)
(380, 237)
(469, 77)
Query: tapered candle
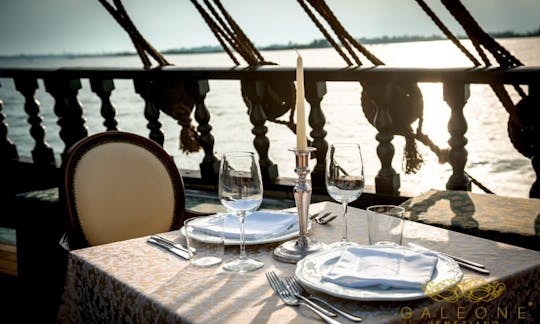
(301, 141)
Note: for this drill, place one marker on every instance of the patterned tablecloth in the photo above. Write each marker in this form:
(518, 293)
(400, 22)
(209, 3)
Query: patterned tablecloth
(133, 281)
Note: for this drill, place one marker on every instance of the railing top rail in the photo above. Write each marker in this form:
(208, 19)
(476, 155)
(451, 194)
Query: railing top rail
(520, 75)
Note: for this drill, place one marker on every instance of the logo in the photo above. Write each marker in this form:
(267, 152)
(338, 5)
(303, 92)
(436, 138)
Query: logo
(475, 290)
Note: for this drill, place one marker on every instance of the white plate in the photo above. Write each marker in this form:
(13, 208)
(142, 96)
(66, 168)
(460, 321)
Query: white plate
(263, 216)
(310, 269)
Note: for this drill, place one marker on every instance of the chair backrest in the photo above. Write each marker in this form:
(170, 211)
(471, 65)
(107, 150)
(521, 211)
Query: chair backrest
(119, 186)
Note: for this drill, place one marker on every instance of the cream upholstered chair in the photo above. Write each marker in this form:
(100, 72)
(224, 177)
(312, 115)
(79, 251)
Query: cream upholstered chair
(119, 186)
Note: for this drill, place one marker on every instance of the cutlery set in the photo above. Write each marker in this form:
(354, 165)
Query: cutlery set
(169, 245)
(322, 219)
(292, 294)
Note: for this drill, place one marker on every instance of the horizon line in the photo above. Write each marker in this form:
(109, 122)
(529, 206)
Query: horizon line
(316, 43)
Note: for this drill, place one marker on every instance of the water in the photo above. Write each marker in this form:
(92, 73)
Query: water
(492, 158)
(241, 205)
(345, 195)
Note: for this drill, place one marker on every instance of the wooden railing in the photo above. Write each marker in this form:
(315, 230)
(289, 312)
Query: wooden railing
(63, 84)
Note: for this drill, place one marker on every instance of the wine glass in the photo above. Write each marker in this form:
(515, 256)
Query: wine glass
(344, 178)
(241, 192)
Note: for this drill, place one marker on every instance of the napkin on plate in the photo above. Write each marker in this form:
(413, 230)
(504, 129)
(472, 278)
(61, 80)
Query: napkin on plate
(258, 225)
(386, 267)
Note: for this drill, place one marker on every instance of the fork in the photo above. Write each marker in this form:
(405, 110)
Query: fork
(322, 219)
(298, 290)
(288, 298)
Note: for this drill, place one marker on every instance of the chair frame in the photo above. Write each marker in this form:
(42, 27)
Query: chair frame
(77, 151)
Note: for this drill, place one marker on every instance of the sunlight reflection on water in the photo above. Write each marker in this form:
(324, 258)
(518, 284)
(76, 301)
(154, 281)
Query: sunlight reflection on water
(492, 158)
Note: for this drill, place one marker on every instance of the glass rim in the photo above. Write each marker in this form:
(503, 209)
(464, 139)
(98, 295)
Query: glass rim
(238, 153)
(398, 209)
(345, 144)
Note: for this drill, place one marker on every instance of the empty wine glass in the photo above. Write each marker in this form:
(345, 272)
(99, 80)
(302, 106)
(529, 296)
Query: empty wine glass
(344, 178)
(241, 192)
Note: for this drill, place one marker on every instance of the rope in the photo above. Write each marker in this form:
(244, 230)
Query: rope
(324, 32)
(347, 40)
(143, 47)
(233, 37)
(230, 35)
(332, 20)
(215, 30)
(242, 36)
(188, 134)
(481, 38)
(446, 31)
(503, 57)
(337, 28)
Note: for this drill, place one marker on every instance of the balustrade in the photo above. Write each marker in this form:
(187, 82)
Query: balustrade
(210, 164)
(315, 92)
(257, 117)
(8, 149)
(387, 180)
(42, 152)
(164, 89)
(151, 112)
(68, 109)
(456, 95)
(103, 89)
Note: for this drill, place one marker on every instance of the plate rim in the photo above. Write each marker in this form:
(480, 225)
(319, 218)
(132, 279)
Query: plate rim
(381, 294)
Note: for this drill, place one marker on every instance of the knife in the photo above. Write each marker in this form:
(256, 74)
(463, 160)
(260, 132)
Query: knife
(169, 242)
(177, 251)
(471, 265)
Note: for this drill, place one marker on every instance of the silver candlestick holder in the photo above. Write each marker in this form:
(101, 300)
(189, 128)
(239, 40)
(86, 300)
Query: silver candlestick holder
(294, 250)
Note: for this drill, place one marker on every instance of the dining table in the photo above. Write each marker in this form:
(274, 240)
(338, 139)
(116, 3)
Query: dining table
(133, 281)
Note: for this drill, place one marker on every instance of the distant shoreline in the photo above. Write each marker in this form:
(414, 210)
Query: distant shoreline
(317, 43)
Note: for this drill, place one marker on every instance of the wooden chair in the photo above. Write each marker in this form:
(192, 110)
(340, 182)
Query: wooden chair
(118, 186)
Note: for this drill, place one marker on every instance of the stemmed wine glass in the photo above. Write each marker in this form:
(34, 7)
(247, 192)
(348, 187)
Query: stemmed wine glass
(241, 192)
(344, 178)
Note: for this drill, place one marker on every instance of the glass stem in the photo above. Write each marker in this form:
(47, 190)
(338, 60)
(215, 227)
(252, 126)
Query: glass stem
(243, 255)
(345, 234)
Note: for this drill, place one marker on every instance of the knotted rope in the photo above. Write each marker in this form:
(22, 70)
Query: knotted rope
(278, 97)
(179, 107)
(523, 118)
(404, 100)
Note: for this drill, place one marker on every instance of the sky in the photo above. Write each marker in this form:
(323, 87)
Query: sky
(84, 27)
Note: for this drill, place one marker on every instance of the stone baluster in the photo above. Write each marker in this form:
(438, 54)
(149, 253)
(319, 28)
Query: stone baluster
(387, 180)
(210, 164)
(8, 150)
(255, 91)
(315, 92)
(456, 95)
(42, 153)
(151, 111)
(103, 89)
(68, 109)
(534, 94)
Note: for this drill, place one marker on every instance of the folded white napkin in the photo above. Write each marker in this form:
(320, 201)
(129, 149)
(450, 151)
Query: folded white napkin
(258, 225)
(386, 267)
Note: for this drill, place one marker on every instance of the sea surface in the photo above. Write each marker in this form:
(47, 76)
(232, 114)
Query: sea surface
(492, 158)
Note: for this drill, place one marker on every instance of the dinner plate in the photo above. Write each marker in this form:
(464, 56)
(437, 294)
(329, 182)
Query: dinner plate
(261, 218)
(310, 269)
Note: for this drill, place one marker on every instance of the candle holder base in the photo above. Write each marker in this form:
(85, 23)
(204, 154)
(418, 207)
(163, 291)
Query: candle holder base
(294, 250)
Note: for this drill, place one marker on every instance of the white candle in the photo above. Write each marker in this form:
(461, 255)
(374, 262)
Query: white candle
(301, 141)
